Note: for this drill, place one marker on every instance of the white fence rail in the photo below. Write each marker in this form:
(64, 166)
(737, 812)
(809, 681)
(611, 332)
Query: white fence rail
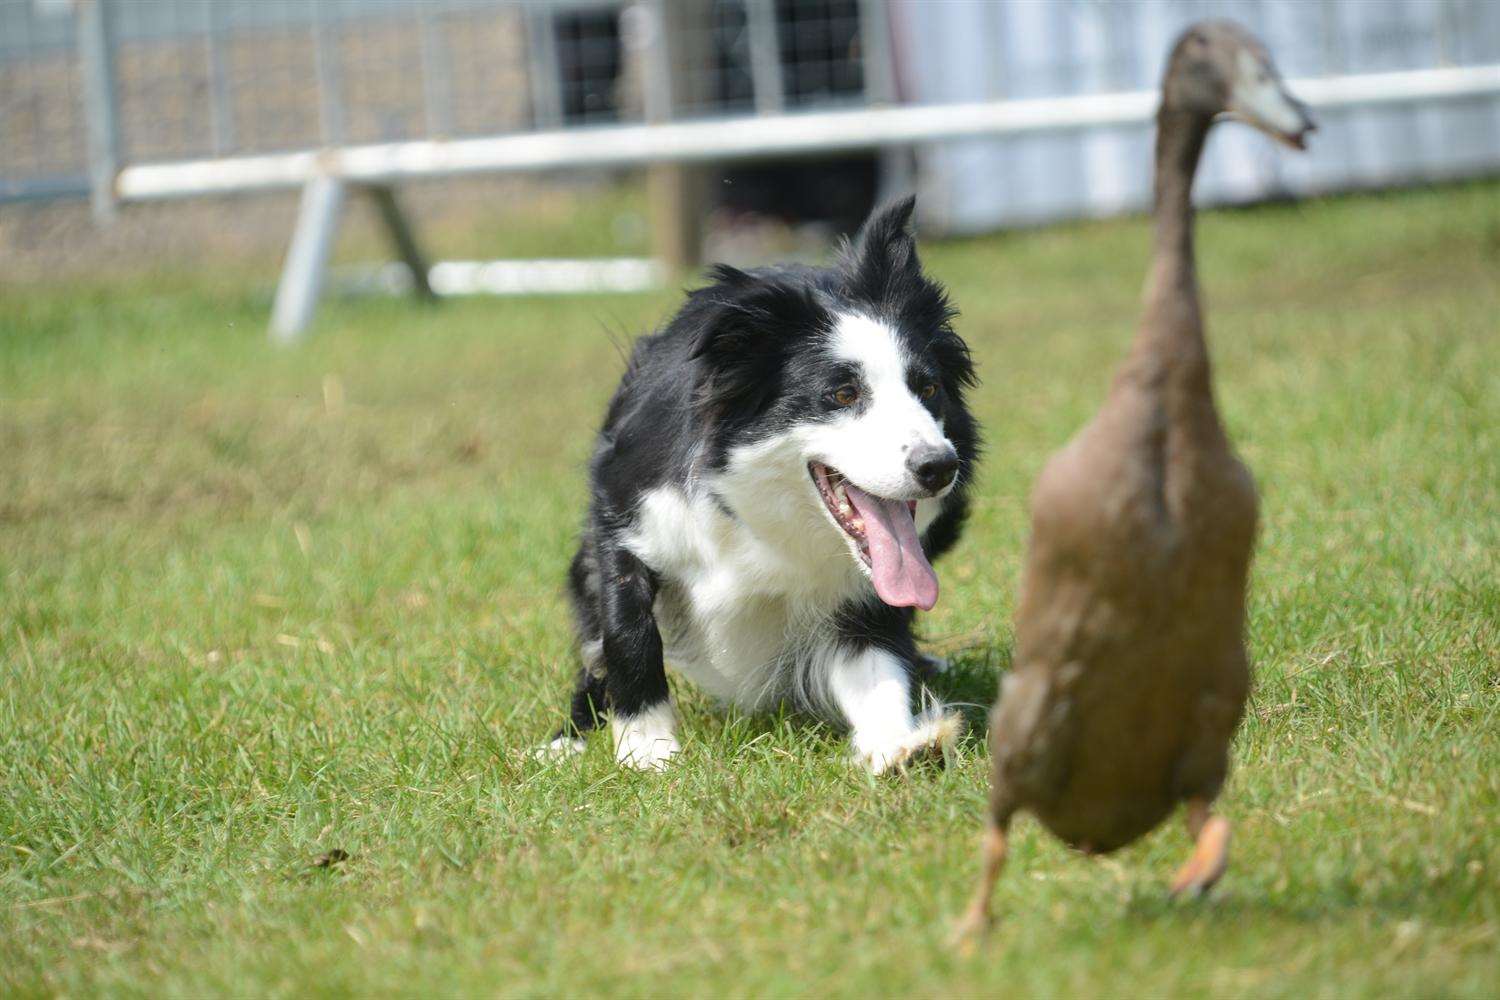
(756, 137)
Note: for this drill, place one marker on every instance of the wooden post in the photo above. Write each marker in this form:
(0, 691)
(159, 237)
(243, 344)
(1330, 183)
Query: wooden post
(877, 48)
(680, 64)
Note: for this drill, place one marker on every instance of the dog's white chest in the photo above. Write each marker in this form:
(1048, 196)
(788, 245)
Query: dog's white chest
(740, 654)
(738, 609)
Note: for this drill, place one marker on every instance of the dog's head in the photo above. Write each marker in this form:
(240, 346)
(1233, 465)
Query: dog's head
(854, 377)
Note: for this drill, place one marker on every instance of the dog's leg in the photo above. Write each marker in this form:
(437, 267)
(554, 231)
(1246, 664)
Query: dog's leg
(872, 689)
(586, 708)
(588, 705)
(641, 714)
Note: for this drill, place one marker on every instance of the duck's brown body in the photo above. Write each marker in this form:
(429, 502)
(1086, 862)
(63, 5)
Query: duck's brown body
(1131, 673)
(1130, 670)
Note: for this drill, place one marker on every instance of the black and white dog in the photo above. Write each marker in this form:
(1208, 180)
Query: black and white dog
(775, 471)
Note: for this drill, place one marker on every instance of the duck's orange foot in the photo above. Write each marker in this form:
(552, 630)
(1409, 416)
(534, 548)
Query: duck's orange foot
(970, 929)
(1210, 855)
(976, 921)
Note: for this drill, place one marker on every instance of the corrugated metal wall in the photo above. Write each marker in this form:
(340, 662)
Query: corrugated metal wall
(965, 50)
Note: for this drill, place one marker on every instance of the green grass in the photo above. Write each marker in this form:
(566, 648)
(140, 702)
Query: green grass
(262, 604)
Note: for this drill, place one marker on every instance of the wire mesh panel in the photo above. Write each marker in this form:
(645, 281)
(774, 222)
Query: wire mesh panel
(820, 43)
(216, 78)
(43, 145)
(88, 87)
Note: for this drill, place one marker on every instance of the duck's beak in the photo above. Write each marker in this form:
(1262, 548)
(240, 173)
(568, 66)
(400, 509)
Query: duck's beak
(1260, 98)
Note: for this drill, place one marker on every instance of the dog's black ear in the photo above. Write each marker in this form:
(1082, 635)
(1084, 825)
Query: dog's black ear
(882, 257)
(881, 268)
(746, 324)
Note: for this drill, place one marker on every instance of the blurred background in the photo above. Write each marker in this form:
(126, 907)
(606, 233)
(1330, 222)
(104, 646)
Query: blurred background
(138, 128)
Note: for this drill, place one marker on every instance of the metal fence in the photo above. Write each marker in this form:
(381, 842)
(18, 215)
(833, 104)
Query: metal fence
(1018, 110)
(168, 80)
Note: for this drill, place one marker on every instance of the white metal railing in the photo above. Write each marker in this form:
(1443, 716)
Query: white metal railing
(323, 174)
(748, 137)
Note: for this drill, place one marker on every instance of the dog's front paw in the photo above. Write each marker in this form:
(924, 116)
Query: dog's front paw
(647, 741)
(646, 753)
(927, 740)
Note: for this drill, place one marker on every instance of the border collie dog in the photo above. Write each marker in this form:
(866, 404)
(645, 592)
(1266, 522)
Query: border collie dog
(774, 473)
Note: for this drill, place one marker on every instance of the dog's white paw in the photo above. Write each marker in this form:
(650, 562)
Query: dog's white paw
(647, 741)
(930, 736)
(646, 753)
(559, 748)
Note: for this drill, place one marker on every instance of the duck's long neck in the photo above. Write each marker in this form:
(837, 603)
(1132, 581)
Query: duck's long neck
(1169, 351)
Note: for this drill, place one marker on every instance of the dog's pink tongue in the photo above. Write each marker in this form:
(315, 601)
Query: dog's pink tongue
(903, 576)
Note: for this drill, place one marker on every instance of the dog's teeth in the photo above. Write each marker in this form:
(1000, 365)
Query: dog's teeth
(845, 509)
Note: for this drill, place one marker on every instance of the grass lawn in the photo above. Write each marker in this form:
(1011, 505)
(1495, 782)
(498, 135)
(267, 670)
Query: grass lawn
(259, 605)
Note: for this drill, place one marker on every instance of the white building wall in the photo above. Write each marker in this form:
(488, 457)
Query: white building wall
(965, 50)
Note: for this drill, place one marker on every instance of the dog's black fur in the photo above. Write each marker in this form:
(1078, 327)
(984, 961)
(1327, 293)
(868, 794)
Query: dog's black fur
(744, 360)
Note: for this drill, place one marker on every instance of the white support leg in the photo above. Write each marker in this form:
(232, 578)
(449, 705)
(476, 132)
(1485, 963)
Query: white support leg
(307, 258)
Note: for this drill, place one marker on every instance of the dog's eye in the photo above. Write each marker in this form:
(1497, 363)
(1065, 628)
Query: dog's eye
(928, 390)
(846, 395)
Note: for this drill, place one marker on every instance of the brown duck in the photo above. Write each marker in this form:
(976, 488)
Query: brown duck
(1131, 673)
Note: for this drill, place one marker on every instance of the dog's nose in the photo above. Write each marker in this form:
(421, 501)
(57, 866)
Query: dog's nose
(933, 466)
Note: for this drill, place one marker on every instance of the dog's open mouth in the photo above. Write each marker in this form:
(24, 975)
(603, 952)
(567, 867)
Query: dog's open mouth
(883, 533)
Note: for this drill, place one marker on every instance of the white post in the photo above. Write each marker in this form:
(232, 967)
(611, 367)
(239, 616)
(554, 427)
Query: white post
(307, 258)
(765, 57)
(97, 55)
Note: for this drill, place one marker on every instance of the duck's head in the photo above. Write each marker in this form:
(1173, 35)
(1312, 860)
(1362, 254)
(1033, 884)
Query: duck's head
(1219, 68)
